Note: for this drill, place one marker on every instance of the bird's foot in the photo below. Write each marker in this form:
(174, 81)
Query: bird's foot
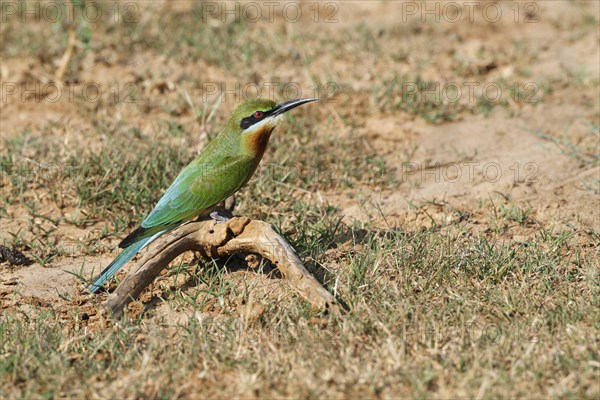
(219, 217)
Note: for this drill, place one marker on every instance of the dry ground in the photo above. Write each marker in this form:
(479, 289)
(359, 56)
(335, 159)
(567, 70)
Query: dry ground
(463, 235)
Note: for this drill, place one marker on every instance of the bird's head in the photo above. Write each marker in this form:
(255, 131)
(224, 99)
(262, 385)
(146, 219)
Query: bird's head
(255, 119)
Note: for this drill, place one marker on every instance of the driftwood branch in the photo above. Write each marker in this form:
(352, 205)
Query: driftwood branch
(218, 240)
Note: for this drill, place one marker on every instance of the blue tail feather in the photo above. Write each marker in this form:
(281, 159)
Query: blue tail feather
(126, 254)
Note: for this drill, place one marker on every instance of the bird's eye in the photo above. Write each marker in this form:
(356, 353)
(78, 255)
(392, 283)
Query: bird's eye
(258, 114)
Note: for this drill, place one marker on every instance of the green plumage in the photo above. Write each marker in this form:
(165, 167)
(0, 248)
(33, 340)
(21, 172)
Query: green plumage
(220, 170)
(201, 185)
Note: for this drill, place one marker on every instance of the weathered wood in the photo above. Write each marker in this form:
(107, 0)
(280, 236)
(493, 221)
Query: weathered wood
(217, 240)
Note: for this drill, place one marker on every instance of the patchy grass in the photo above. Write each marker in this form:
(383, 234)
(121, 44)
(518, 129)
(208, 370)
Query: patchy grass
(495, 312)
(586, 151)
(485, 292)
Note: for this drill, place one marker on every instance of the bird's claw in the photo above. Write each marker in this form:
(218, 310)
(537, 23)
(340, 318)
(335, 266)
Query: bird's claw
(218, 217)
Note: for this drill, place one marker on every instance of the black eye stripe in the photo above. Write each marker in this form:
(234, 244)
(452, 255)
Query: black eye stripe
(251, 120)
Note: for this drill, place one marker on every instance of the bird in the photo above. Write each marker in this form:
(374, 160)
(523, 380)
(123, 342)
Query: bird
(224, 166)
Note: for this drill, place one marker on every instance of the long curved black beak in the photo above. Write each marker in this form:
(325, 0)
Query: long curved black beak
(288, 105)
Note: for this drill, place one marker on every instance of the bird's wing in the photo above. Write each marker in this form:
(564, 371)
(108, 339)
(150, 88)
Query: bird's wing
(199, 187)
